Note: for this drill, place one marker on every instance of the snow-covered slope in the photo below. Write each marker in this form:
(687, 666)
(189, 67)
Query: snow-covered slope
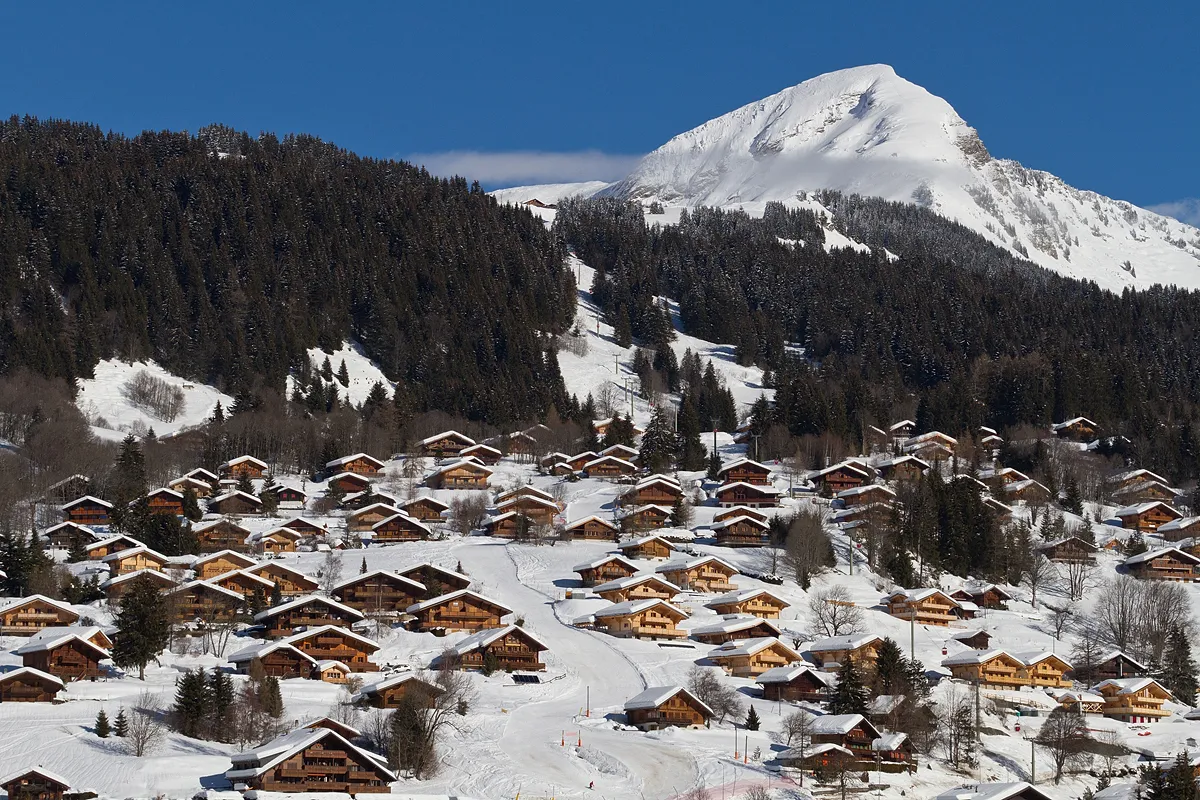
(548, 192)
(112, 410)
(362, 371)
(866, 130)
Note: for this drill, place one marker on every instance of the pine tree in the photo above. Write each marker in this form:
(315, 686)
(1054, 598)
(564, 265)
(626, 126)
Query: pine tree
(269, 496)
(220, 698)
(692, 454)
(191, 506)
(270, 698)
(343, 375)
(1178, 669)
(849, 696)
(714, 467)
(1073, 501)
(77, 551)
(101, 729)
(659, 444)
(244, 484)
(192, 703)
(276, 594)
(327, 370)
(143, 630)
(752, 720)
(362, 569)
(890, 674)
(121, 724)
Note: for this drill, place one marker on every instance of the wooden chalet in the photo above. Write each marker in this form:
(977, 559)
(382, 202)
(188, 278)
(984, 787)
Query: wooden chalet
(1044, 669)
(647, 547)
(646, 517)
(926, 606)
(379, 592)
(425, 509)
(1134, 700)
(637, 587)
(34, 784)
(508, 648)
(747, 494)
(1079, 429)
(67, 654)
(1068, 550)
(1164, 564)
(550, 459)
(460, 475)
(984, 595)
(902, 430)
(88, 510)
(659, 490)
(447, 443)
(483, 453)
(277, 540)
(1003, 512)
(739, 511)
(748, 658)
(1004, 476)
(311, 760)
(707, 574)
(755, 602)
(853, 732)
(357, 501)
(290, 582)
(348, 482)
(867, 494)
(277, 659)
(113, 544)
(25, 616)
(203, 601)
(740, 531)
(1180, 529)
(1114, 665)
(796, 683)
(134, 559)
(604, 569)
(304, 527)
(250, 585)
(1147, 517)
(331, 643)
(609, 467)
(1018, 790)
(28, 685)
(437, 580)
(976, 640)
(735, 627)
(289, 497)
(638, 619)
(220, 562)
(331, 671)
(463, 610)
(389, 692)
(1028, 491)
(1145, 492)
(235, 503)
(666, 706)
(593, 528)
(579, 460)
(538, 509)
(248, 466)
(200, 488)
(363, 518)
(745, 470)
(310, 611)
(988, 668)
(601, 427)
(838, 478)
(509, 525)
(116, 586)
(933, 445)
(165, 501)
(66, 535)
(219, 535)
(623, 452)
(831, 652)
(1123, 480)
(902, 469)
(359, 464)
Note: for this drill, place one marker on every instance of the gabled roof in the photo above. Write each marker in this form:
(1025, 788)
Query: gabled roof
(203, 474)
(42, 644)
(258, 462)
(635, 607)
(742, 595)
(729, 522)
(743, 462)
(145, 572)
(37, 673)
(344, 460)
(203, 526)
(447, 435)
(388, 683)
(1142, 508)
(206, 586)
(1181, 524)
(440, 599)
(526, 490)
(433, 501)
(1130, 685)
(1031, 657)
(655, 696)
(485, 637)
(165, 490)
(979, 657)
(1134, 474)
(610, 459)
(401, 516)
(604, 560)
(129, 552)
(266, 648)
(1173, 552)
(848, 642)
(993, 791)
(622, 449)
(375, 508)
(633, 580)
(841, 724)
(416, 586)
(633, 544)
(87, 498)
(692, 563)
(892, 462)
(732, 623)
(790, 673)
(368, 644)
(1142, 486)
(17, 602)
(917, 595)
(866, 489)
(525, 499)
(235, 493)
(1075, 540)
(425, 565)
(748, 647)
(1020, 486)
(264, 757)
(593, 518)
(1058, 426)
(44, 773)
(481, 446)
(755, 487)
(71, 526)
(231, 555)
(1114, 654)
(463, 462)
(305, 600)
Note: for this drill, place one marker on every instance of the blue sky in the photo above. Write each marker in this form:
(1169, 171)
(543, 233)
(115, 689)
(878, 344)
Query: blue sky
(1105, 95)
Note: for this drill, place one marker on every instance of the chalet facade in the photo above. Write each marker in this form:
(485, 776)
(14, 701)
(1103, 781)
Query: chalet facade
(838, 478)
(1135, 699)
(331, 643)
(1027, 491)
(462, 610)
(425, 509)
(609, 467)
(755, 602)
(902, 469)
(509, 525)
(88, 510)
(291, 583)
(796, 684)
(1164, 564)
(399, 528)
(235, 503)
(68, 655)
(1147, 517)
(222, 534)
(363, 518)
(707, 574)
(1183, 528)
(34, 784)
(290, 497)
(461, 475)
(735, 628)
(116, 586)
(277, 659)
(379, 592)
(278, 540)
(447, 443)
(508, 648)
(484, 454)
(134, 559)
(830, 653)
(747, 494)
(165, 501)
(29, 685)
(1145, 492)
(1044, 670)
(926, 606)
(638, 619)
(593, 528)
(750, 658)
(66, 535)
(646, 517)
(359, 464)
(661, 490)
(637, 587)
(249, 585)
(868, 494)
(647, 547)
(744, 470)
(605, 569)
(1068, 550)
(740, 531)
(389, 692)
(25, 616)
(666, 706)
(579, 460)
(203, 601)
(311, 611)
(538, 509)
(437, 580)
(220, 562)
(988, 668)
(1079, 429)
(249, 466)
(348, 482)
(311, 760)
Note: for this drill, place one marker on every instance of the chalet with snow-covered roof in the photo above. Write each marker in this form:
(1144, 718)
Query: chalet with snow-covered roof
(359, 463)
(220, 562)
(290, 582)
(666, 706)
(747, 494)
(1079, 429)
(1002, 476)
(447, 443)
(637, 587)
(707, 574)
(647, 547)
(1147, 517)
(28, 685)
(853, 732)
(507, 648)
(88, 510)
(485, 454)
(66, 535)
(831, 652)
(538, 509)
(609, 467)
(35, 784)
(25, 616)
(660, 490)
(277, 659)
(593, 528)
(604, 569)
(368, 497)
(391, 691)
(601, 427)
(277, 540)
(838, 478)
(201, 489)
(579, 460)
(931, 446)
(1044, 669)
(201, 600)
(134, 559)
(735, 627)
(379, 592)
(550, 459)
(348, 482)
(333, 643)
(202, 474)
(985, 595)
(362, 519)
(437, 580)
(250, 585)
(509, 525)
(647, 517)
(1131, 477)
(165, 501)
(248, 466)
(289, 497)
(1019, 790)
(1134, 700)
(745, 470)
(796, 683)
(235, 503)
(976, 640)
(310, 611)
(304, 527)
(311, 760)
(463, 474)
(740, 531)
(987, 667)
(1180, 529)
(462, 610)
(868, 494)
(902, 430)
(221, 534)
(1145, 492)
(622, 451)
(902, 468)
(425, 509)
(69, 655)
(1028, 491)
(1001, 511)
(638, 619)
(1115, 665)
(927, 606)
(115, 587)
(1164, 564)
(748, 658)
(756, 602)
(1068, 550)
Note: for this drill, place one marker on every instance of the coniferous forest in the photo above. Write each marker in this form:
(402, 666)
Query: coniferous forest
(223, 257)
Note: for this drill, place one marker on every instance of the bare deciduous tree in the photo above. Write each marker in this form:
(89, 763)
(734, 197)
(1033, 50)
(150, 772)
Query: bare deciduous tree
(1078, 576)
(1060, 617)
(1065, 736)
(423, 718)
(808, 550)
(1038, 574)
(715, 693)
(833, 613)
(468, 512)
(331, 570)
(146, 726)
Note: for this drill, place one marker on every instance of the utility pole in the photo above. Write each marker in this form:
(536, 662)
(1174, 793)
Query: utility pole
(912, 631)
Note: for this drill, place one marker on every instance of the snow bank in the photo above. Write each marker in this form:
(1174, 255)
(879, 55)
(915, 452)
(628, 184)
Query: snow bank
(105, 401)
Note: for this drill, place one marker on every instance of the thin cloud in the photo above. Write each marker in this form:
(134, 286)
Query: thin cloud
(1186, 210)
(528, 166)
